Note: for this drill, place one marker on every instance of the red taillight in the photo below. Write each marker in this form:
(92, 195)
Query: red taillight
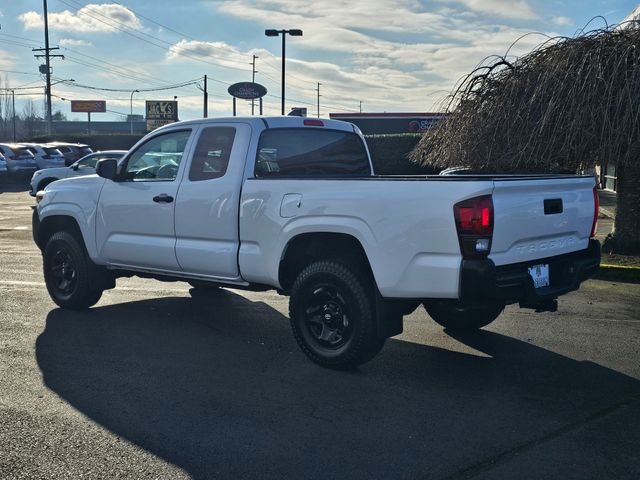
(314, 123)
(474, 223)
(596, 210)
(475, 216)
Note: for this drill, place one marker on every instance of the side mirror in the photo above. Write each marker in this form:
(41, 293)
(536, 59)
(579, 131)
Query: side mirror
(107, 168)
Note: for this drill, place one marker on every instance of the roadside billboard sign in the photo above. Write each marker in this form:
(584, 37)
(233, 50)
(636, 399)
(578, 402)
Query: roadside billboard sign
(88, 106)
(161, 112)
(247, 90)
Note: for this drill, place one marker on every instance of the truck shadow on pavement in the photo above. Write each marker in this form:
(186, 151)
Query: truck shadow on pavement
(218, 387)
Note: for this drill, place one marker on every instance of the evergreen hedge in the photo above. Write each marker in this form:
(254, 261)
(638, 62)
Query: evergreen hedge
(390, 154)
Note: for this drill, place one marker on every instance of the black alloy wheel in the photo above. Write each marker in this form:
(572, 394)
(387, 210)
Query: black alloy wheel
(332, 314)
(68, 273)
(63, 271)
(327, 316)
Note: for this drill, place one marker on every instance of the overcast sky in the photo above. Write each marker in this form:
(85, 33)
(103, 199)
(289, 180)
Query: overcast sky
(401, 55)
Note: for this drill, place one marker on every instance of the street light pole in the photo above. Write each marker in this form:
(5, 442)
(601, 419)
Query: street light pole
(131, 110)
(274, 33)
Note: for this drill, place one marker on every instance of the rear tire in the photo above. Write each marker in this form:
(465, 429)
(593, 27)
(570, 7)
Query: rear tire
(67, 273)
(462, 318)
(332, 315)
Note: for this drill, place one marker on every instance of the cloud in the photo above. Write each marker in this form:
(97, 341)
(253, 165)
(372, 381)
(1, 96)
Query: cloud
(519, 9)
(6, 60)
(73, 42)
(199, 48)
(107, 17)
(388, 53)
(562, 21)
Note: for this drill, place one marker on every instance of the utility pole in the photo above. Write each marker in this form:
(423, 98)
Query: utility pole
(47, 64)
(318, 90)
(253, 80)
(13, 110)
(360, 106)
(206, 99)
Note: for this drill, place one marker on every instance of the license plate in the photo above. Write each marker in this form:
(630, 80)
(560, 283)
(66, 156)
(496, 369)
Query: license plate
(540, 275)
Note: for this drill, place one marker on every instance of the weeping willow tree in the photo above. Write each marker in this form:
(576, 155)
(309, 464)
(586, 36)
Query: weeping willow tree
(569, 105)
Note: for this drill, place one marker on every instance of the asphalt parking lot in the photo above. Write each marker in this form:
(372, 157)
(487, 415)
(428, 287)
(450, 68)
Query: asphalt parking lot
(152, 383)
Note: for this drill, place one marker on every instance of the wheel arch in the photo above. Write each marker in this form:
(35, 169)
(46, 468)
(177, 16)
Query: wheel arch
(45, 182)
(305, 248)
(57, 223)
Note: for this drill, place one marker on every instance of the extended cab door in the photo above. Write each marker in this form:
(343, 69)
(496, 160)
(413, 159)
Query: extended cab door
(208, 199)
(134, 225)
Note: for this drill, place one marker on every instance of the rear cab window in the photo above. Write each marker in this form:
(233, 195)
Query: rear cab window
(313, 152)
(211, 156)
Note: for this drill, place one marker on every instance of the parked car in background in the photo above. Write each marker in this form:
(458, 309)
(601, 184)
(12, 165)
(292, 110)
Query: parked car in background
(3, 165)
(85, 166)
(46, 157)
(71, 151)
(18, 158)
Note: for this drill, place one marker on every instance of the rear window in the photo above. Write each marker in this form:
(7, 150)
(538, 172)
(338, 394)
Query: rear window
(85, 150)
(21, 153)
(52, 151)
(296, 152)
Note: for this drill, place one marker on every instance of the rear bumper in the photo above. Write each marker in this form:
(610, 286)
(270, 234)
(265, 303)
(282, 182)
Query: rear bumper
(482, 280)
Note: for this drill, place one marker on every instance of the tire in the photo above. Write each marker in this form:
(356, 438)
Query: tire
(67, 273)
(458, 318)
(44, 183)
(332, 315)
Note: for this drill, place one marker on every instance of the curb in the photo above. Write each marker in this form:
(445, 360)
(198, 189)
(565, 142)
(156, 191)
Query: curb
(619, 273)
(606, 212)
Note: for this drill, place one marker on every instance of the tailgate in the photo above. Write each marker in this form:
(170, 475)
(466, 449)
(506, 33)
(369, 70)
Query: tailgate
(539, 218)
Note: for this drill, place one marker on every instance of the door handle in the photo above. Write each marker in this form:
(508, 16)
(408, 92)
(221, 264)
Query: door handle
(163, 198)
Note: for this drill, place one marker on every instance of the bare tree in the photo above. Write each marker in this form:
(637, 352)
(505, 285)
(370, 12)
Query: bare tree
(569, 105)
(29, 117)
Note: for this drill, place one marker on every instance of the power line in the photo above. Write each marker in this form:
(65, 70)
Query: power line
(182, 34)
(128, 30)
(157, 89)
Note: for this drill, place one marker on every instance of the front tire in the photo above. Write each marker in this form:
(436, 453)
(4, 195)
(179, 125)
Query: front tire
(67, 273)
(456, 317)
(332, 315)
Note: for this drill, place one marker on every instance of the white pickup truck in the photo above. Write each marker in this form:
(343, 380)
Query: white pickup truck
(293, 204)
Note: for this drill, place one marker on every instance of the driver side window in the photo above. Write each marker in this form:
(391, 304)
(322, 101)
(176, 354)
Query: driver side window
(158, 159)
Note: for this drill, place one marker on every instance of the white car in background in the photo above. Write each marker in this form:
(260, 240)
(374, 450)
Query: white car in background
(18, 158)
(46, 157)
(72, 151)
(85, 166)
